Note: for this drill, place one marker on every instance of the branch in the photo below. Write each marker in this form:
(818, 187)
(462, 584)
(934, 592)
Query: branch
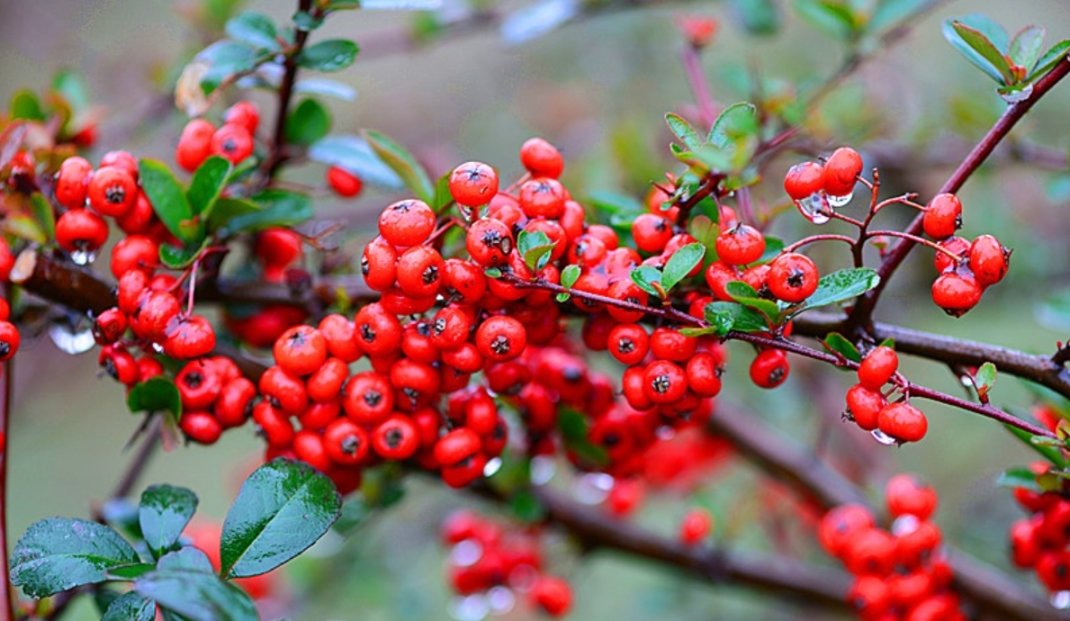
(862, 313)
(276, 155)
(785, 461)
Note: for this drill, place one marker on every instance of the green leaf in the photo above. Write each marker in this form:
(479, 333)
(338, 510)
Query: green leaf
(570, 275)
(206, 185)
(1052, 57)
(729, 316)
(759, 17)
(180, 258)
(1019, 477)
(281, 208)
(683, 130)
(1052, 454)
(226, 209)
(164, 512)
(602, 201)
(574, 426)
(225, 58)
(738, 119)
(534, 248)
(281, 510)
(256, 29)
(167, 197)
(43, 213)
(403, 163)
(979, 50)
(645, 277)
(306, 21)
(1026, 46)
(130, 572)
(747, 296)
(72, 87)
(984, 378)
(326, 88)
(185, 584)
(525, 507)
(840, 344)
(329, 55)
(26, 105)
(681, 263)
(355, 155)
(893, 12)
(773, 247)
(835, 18)
(130, 607)
(307, 123)
(155, 395)
(443, 198)
(840, 286)
(57, 554)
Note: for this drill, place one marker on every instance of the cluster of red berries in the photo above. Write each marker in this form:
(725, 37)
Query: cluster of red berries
(111, 191)
(234, 140)
(900, 573)
(489, 561)
(9, 334)
(1042, 540)
(818, 187)
(869, 408)
(980, 263)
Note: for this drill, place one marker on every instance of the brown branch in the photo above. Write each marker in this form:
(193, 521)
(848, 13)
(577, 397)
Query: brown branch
(277, 156)
(785, 461)
(862, 313)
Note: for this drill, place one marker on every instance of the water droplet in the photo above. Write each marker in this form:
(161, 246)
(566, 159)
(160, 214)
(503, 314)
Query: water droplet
(493, 466)
(72, 336)
(592, 488)
(501, 599)
(1060, 600)
(470, 608)
(466, 553)
(904, 525)
(665, 433)
(840, 201)
(542, 470)
(966, 381)
(882, 438)
(83, 257)
(1018, 95)
(815, 208)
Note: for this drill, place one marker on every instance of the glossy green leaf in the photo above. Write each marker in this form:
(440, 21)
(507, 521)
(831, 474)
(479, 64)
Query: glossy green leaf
(281, 510)
(737, 120)
(1054, 55)
(403, 163)
(43, 214)
(683, 130)
(357, 156)
(163, 514)
(525, 506)
(280, 208)
(1026, 46)
(746, 295)
(256, 29)
(602, 201)
(534, 248)
(307, 123)
(225, 58)
(177, 258)
(840, 286)
(184, 583)
(729, 316)
(570, 275)
(574, 427)
(985, 378)
(1019, 477)
(325, 87)
(835, 17)
(130, 572)
(681, 263)
(26, 105)
(979, 50)
(306, 21)
(207, 183)
(773, 247)
(1050, 453)
(893, 12)
(443, 198)
(57, 554)
(645, 276)
(72, 87)
(155, 395)
(226, 209)
(167, 196)
(130, 607)
(329, 55)
(841, 345)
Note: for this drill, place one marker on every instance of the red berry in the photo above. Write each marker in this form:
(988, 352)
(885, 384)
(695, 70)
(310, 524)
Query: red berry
(501, 338)
(244, 113)
(195, 144)
(300, 350)
(841, 171)
(473, 184)
(275, 426)
(81, 230)
(905, 495)
(628, 343)
(989, 260)
(419, 271)
(542, 197)
(864, 406)
(792, 277)
(233, 142)
(956, 293)
(119, 364)
(770, 368)
(347, 444)
(134, 252)
(72, 182)
(199, 385)
(308, 447)
(122, 160)
(235, 402)
(740, 245)
(341, 337)
(704, 374)
(407, 223)
(879, 365)
(108, 327)
(325, 383)
(903, 422)
(541, 158)
(664, 382)
(695, 527)
(804, 180)
(189, 337)
(378, 264)
(456, 446)
(871, 553)
(943, 216)
(378, 331)
(140, 216)
(201, 427)
(284, 390)
(956, 245)
(552, 595)
(670, 344)
(343, 182)
(651, 232)
(368, 398)
(489, 242)
(841, 525)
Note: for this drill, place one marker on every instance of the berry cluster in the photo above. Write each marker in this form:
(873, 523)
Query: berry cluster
(1042, 540)
(492, 563)
(233, 140)
(869, 408)
(817, 188)
(966, 268)
(899, 573)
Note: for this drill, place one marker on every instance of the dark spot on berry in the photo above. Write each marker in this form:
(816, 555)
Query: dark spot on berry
(350, 445)
(115, 194)
(661, 384)
(796, 278)
(430, 274)
(500, 345)
(625, 346)
(367, 332)
(372, 398)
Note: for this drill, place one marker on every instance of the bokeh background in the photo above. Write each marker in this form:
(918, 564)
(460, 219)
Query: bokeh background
(598, 88)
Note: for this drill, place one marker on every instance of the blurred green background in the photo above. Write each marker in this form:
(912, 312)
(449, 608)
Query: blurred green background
(598, 88)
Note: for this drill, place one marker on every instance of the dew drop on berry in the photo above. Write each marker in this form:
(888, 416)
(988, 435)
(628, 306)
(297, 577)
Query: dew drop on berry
(469, 608)
(83, 257)
(904, 525)
(72, 335)
(882, 438)
(1060, 600)
(501, 599)
(815, 208)
(466, 553)
(592, 488)
(492, 466)
(542, 470)
(840, 201)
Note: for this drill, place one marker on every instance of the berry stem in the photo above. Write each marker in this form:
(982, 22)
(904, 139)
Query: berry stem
(818, 238)
(917, 240)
